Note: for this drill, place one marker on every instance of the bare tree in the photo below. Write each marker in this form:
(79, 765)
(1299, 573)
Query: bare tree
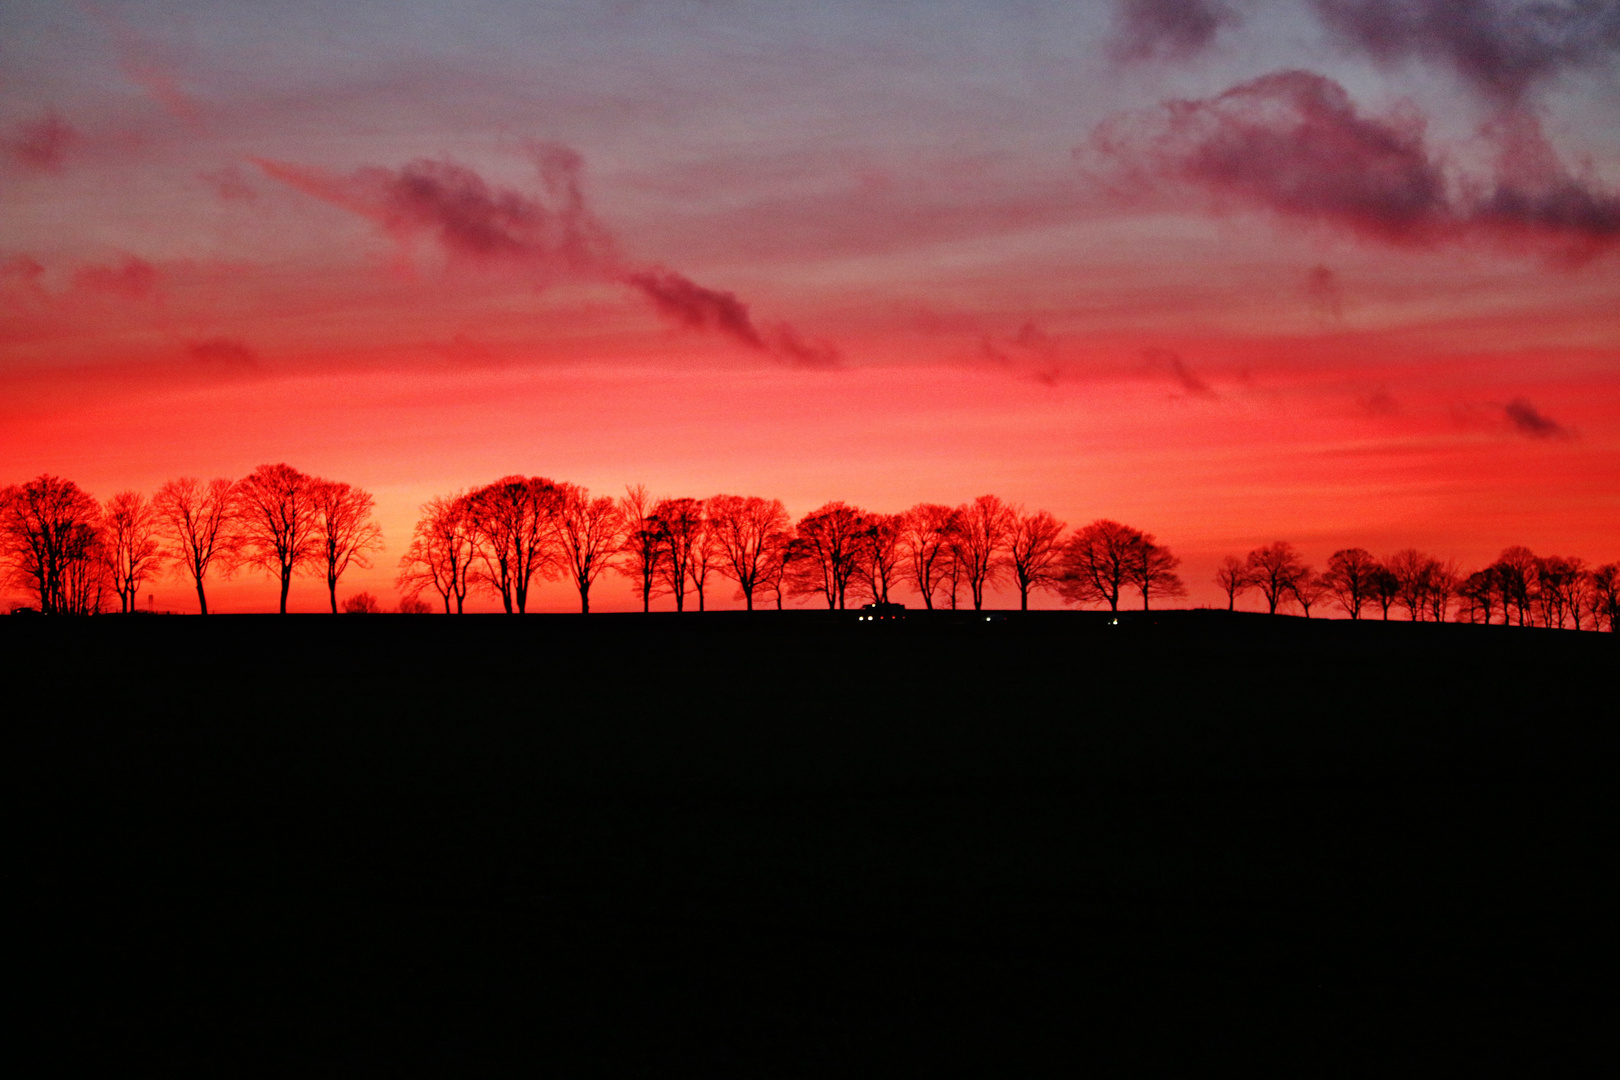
(750, 531)
(1032, 552)
(1444, 582)
(1152, 569)
(1234, 577)
(1477, 591)
(196, 522)
(983, 528)
(1516, 573)
(275, 508)
(1386, 589)
(50, 542)
(1414, 571)
(644, 548)
(1604, 598)
(925, 539)
(678, 524)
(827, 552)
(1275, 570)
(1558, 583)
(1096, 563)
(1309, 591)
(441, 552)
(706, 555)
(361, 603)
(345, 534)
(774, 566)
(878, 557)
(129, 526)
(591, 532)
(515, 520)
(1349, 577)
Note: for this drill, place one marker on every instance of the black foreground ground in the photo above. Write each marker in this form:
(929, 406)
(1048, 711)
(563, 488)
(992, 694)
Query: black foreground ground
(794, 845)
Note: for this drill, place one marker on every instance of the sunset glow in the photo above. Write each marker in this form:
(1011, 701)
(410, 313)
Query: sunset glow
(1229, 272)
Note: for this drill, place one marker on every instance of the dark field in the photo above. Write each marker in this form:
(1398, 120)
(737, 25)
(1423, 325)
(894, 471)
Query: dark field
(795, 845)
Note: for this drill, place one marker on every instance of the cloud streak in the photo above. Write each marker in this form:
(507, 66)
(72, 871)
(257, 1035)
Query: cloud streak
(1168, 29)
(1526, 420)
(1293, 143)
(481, 224)
(1502, 47)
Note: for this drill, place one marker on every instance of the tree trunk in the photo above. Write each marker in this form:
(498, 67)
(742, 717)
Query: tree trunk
(202, 601)
(286, 583)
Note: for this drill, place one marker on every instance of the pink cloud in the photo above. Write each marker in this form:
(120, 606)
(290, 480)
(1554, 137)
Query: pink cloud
(41, 144)
(132, 279)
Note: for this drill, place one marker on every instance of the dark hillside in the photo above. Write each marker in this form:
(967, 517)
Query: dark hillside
(791, 844)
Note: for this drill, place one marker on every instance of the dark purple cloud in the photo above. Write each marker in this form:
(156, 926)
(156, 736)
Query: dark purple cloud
(1168, 29)
(474, 221)
(1528, 421)
(683, 301)
(1292, 142)
(1502, 47)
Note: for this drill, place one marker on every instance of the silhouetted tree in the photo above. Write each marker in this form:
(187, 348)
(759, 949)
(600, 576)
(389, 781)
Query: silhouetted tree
(590, 532)
(983, 528)
(1477, 591)
(752, 533)
(1386, 589)
(706, 555)
(644, 548)
(129, 527)
(1516, 571)
(1557, 586)
(361, 603)
(1415, 572)
(1604, 598)
(1096, 563)
(773, 572)
(515, 521)
(196, 521)
(1310, 590)
(441, 552)
(345, 535)
(878, 558)
(415, 605)
(1275, 570)
(1152, 569)
(827, 551)
(925, 541)
(678, 524)
(1443, 584)
(50, 542)
(1233, 576)
(275, 509)
(1349, 577)
(1033, 549)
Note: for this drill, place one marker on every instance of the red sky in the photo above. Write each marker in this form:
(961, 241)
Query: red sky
(1274, 274)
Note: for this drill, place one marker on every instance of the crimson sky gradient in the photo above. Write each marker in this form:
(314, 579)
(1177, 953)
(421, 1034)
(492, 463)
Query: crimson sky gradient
(1331, 271)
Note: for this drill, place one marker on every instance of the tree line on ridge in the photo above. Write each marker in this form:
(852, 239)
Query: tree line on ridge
(74, 555)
